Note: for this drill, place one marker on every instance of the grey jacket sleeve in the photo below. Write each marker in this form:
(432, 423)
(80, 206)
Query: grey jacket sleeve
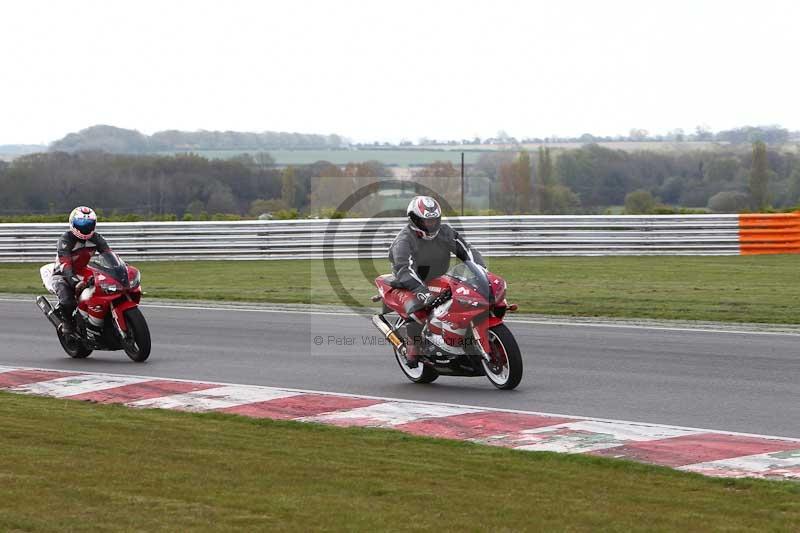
(402, 259)
(100, 242)
(465, 252)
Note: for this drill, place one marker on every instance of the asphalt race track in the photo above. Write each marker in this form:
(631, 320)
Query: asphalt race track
(741, 382)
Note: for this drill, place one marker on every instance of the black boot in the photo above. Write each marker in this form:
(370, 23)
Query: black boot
(67, 321)
(412, 355)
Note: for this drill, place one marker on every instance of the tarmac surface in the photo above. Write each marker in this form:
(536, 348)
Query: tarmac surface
(722, 377)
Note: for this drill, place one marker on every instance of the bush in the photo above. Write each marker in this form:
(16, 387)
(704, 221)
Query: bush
(639, 202)
(169, 217)
(559, 200)
(662, 209)
(261, 206)
(286, 214)
(475, 213)
(728, 202)
(330, 212)
(33, 219)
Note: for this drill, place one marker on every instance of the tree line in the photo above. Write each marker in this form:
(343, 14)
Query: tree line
(590, 180)
(125, 141)
(770, 134)
(120, 140)
(183, 186)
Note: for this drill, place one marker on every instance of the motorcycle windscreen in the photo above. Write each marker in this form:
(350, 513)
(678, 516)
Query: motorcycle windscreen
(473, 275)
(109, 263)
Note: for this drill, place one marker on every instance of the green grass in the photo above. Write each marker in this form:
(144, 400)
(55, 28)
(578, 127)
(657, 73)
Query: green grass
(73, 466)
(737, 289)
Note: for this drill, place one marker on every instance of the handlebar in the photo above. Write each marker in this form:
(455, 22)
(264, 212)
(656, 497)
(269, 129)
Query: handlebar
(442, 298)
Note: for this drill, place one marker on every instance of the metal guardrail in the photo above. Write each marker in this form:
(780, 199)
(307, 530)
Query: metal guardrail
(348, 238)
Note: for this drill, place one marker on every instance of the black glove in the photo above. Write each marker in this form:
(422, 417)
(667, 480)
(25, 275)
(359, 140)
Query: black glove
(421, 300)
(70, 276)
(424, 296)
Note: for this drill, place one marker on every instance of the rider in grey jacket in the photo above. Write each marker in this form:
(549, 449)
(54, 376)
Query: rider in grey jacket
(421, 252)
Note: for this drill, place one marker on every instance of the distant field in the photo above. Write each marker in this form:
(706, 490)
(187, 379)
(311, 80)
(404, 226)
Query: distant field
(10, 151)
(402, 158)
(628, 146)
(425, 155)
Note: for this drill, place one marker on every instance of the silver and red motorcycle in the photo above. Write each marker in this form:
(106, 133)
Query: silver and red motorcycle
(463, 331)
(108, 315)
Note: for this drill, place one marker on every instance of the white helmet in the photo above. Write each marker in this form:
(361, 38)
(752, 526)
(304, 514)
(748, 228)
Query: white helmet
(82, 222)
(426, 216)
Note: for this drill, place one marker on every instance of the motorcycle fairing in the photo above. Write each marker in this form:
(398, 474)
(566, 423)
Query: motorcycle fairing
(109, 269)
(119, 313)
(480, 331)
(467, 309)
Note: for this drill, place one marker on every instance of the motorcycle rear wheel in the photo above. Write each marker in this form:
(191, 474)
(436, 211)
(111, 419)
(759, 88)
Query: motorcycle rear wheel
(74, 348)
(421, 374)
(137, 346)
(505, 371)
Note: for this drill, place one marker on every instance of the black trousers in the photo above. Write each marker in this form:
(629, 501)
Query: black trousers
(414, 332)
(65, 292)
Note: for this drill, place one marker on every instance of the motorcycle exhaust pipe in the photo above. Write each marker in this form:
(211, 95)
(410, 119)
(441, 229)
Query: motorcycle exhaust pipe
(48, 311)
(388, 331)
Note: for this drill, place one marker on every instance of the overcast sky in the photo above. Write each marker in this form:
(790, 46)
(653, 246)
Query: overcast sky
(380, 70)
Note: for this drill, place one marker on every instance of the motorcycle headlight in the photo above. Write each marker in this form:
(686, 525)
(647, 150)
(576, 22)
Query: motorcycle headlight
(136, 281)
(109, 288)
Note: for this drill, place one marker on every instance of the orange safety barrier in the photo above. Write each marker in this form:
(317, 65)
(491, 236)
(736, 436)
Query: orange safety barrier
(773, 233)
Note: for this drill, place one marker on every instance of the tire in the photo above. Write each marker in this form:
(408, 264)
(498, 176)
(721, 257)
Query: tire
(75, 349)
(422, 374)
(138, 349)
(507, 374)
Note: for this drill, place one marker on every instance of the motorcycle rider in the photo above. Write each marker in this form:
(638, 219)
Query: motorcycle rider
(421, 252)
(74, 250)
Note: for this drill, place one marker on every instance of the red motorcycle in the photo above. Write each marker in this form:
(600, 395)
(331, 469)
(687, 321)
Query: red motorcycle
(108, 315)
(463, 332)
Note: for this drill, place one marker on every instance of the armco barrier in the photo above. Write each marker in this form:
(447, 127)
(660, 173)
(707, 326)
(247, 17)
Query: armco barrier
(494, 236)
(770, 233)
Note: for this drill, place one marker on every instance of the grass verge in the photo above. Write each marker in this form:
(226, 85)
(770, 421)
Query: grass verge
(738, 289)
(73, 466)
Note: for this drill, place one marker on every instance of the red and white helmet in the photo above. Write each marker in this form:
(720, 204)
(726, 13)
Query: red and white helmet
(426, 216)
(82, 222)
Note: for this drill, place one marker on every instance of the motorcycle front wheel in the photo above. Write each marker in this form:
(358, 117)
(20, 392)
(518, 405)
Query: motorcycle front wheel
(505, 368)
(137, 343)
